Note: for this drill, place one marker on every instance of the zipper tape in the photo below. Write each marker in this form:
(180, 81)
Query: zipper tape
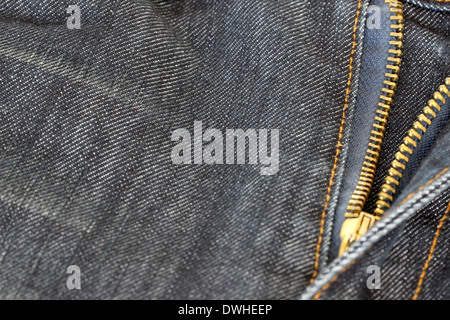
(367, 175)
(406, 149)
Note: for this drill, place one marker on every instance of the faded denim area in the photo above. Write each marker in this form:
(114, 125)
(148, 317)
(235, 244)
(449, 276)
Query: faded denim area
(86, 117)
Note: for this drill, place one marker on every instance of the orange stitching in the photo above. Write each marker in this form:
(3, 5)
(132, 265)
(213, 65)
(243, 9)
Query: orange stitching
(338, 148)
(327, 285)
(430, 254)
(423, 187)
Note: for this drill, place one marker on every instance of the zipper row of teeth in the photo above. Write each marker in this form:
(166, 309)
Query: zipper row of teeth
(406, 149)
(367, 175)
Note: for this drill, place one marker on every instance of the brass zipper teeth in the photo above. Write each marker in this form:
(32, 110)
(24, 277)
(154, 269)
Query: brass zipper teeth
(406, 149)
(367, 175)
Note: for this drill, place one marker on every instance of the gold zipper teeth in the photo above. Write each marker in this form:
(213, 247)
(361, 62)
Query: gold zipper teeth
(406, 149)
(367, 175)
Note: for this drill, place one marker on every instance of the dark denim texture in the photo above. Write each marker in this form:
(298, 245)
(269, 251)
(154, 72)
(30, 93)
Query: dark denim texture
(373, 62)
(86, 176)
(401, 242)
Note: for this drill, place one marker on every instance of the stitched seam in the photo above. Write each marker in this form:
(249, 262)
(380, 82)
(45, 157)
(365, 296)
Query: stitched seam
(423, 187)
(430, 254)
(327, 285)
(338, 148)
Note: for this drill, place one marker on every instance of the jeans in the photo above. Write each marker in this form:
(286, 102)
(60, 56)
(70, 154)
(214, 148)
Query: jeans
(87, 179)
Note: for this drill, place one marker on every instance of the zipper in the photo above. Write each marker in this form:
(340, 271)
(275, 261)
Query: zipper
(357, 221)
(406, 149)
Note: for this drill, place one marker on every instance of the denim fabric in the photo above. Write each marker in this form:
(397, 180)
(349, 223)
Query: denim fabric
(425, 65)
(375, 52)
(86, 176)
(401, 243)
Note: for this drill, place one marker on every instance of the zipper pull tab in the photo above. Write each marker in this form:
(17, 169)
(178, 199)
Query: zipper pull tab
(354, 228)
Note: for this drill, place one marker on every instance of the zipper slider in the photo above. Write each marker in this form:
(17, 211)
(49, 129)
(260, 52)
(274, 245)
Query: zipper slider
(354, 227)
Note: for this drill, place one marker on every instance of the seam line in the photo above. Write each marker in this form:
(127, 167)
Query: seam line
(338, 148)
(430, 254)
(326, 286)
